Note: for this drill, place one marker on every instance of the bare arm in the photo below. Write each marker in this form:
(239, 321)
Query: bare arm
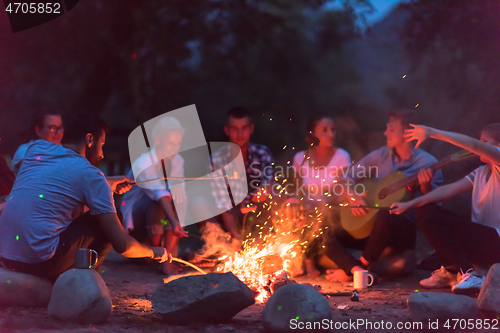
(119, 184)
(485, 150)
(166, 204)
(125, 244)
(439, 194)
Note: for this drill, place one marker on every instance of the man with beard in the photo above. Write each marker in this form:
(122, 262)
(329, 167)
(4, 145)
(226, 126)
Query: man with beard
(43, 222)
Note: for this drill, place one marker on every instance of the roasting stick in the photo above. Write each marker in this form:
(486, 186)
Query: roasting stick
(182, 178)
(371, 207)
(338, 293)
(246, 210)
(188, 264)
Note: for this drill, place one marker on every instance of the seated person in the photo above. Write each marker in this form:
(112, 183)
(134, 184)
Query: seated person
(45, 125)
(258, 161)
(398, 232)
(317, 169)
(148, 212)
(6, 180)
(461, 243)
(42, 224)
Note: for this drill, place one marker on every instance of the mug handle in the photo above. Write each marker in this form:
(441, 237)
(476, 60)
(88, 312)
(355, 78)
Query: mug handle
(96, 258)
(372, 280)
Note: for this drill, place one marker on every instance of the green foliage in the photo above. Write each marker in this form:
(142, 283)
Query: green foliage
(453, 48)
(132, 60)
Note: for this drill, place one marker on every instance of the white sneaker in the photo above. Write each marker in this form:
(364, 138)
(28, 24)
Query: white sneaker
(470, 283)
(440, 278)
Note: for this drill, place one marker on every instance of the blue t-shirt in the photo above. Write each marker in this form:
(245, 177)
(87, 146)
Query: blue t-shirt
(51, 188)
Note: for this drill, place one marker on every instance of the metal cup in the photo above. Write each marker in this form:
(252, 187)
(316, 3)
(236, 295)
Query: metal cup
(85, 258)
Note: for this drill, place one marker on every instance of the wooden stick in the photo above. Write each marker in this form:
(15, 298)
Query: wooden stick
(189, 264)
(338, 293)
(371, 207)
(179, 178)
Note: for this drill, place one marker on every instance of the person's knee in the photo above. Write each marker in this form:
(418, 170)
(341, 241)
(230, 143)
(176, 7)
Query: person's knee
(331, 242)
(383, 219)
(155, 211)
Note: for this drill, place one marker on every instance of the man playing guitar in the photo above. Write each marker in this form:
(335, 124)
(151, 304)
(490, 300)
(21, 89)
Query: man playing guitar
(395, 231)
(462, 243)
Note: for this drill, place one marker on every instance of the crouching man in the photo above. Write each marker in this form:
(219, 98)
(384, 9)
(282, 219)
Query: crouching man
(43, 224)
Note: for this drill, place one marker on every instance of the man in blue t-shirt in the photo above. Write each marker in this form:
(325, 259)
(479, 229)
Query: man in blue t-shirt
(43, 224)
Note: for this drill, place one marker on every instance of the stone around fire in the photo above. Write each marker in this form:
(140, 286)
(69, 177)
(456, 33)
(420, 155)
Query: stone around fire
(19, 289)
(211, 298)
(80, 295)
(489, 297)
(298, 302)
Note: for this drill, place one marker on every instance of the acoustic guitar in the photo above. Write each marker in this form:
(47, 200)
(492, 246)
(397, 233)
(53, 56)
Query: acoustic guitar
(383, 193)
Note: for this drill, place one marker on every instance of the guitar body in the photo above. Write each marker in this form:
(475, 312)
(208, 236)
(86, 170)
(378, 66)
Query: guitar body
(361, 226)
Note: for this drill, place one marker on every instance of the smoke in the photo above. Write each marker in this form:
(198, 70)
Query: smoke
(217, 241)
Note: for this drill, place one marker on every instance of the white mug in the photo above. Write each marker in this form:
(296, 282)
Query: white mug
(361, 279)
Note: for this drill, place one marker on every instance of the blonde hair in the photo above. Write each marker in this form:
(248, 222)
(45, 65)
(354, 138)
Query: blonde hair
(167, 125)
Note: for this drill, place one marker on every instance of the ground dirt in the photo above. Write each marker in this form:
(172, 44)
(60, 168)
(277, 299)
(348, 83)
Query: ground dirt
(131, 284)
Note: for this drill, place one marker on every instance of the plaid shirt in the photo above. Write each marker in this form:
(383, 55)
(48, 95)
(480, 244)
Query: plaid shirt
(259, 170)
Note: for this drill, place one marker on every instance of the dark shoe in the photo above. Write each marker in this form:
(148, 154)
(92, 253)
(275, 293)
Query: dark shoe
(395, 264)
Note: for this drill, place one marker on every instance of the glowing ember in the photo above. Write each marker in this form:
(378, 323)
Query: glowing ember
(258, 267)
(277, 236)
(274, 249)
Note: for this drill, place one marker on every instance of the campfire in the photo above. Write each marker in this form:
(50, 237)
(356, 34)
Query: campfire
(273, 249)
(260, 268)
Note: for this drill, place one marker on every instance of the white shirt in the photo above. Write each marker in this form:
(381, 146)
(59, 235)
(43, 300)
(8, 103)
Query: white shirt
(486, 195)
(154, 190)
(51, 188)
(317, 181)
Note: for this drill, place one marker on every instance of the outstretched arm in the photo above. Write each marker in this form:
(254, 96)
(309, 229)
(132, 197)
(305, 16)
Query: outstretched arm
(125, 244)
(439, 194)
(485, 150)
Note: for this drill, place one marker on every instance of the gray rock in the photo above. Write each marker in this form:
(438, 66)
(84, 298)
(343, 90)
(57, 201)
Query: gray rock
(433, 305)
(210, 298)
(291, 302)
(19, 289)
(489, 297)
(80, 295)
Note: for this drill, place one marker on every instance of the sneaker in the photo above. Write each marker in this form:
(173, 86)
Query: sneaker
(469, 283)
(440, 278)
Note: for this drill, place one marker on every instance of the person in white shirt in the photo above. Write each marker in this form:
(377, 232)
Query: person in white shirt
(318, 169)
(43, 224)
(462, 243)
(148, 210)
(45, 125)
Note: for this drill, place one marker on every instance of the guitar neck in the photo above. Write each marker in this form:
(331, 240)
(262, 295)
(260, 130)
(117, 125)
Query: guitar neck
(413, 178)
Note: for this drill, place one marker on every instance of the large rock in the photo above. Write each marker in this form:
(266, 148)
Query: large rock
(19, 289)
(489, 297)
(432, 305)
(292, 304)
(80, 295)
(210, 298)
